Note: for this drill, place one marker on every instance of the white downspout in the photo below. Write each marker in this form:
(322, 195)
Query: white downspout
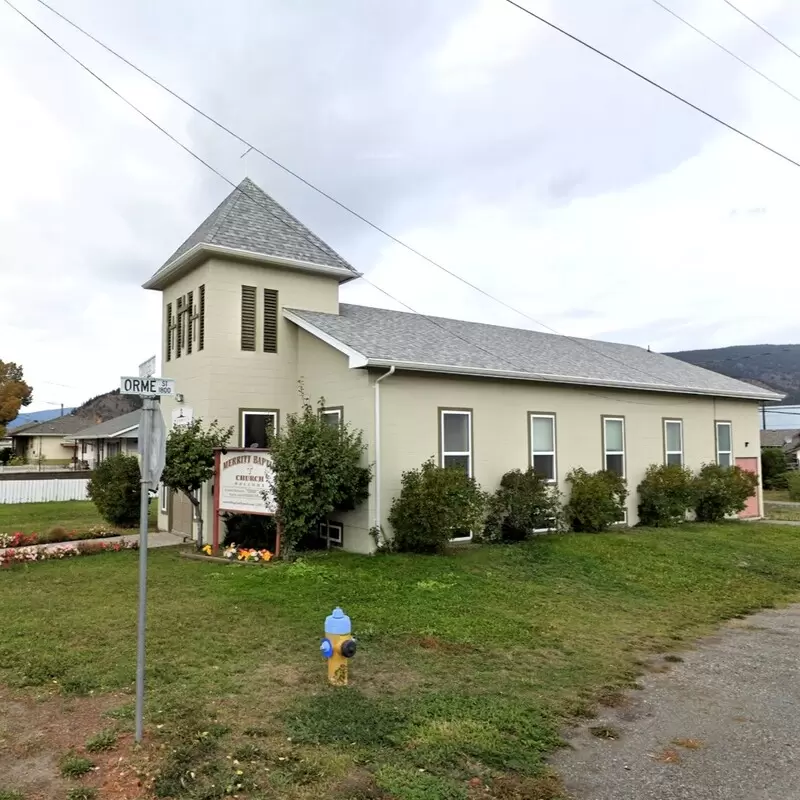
(377, 386)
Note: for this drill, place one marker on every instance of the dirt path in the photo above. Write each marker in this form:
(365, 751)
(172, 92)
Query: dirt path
(723, 723)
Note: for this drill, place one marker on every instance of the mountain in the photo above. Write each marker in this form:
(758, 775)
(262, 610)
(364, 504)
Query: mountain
(774, 366)
(108, 406)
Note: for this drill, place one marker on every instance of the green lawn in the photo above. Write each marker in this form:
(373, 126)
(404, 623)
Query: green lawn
(776, 494)
(77, 515)
(774, 511)
(468, 664)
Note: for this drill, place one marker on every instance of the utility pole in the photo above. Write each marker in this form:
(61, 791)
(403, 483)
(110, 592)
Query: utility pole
(763, 416)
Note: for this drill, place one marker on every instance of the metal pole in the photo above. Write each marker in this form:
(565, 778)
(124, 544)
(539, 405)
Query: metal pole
(144, 432)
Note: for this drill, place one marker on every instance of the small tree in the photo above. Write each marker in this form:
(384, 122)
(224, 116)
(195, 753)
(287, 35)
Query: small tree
(14, 393)
(115, 489)
(6, 454)
(523, 503)
(435, 505)
(721, 491)
(596, 501)
(774, 467)
(793, 485)
(665, 495)
(317, 470)
(190, 461)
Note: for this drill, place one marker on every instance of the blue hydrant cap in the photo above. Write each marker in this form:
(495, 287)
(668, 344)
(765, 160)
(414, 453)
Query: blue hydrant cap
(338, 623)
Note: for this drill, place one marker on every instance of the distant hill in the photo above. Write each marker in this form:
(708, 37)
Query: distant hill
(774, 366)
(108, 406)
(38, 416)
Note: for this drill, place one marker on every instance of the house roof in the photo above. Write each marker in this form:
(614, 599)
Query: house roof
(249, 222)
(122, 427)
(60, 426)
(778, 438)
(381, 338)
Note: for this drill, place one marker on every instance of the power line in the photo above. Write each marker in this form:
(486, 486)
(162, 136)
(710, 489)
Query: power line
(213, 169)
(762, 28)
(725, 50)
(672, 94)
(408, 247)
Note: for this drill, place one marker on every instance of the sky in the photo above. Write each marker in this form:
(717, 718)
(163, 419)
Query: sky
(520, 160)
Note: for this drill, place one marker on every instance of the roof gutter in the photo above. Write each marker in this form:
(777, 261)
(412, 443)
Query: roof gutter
(377, 490)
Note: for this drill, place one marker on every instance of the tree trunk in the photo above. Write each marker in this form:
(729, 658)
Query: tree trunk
(198, 515)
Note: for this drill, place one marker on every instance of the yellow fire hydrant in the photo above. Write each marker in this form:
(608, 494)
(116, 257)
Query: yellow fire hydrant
(338, 646)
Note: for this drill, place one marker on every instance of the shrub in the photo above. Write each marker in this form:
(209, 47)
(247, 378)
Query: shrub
(596, 501)
(793, 484)
(317, 470)
(115, 490)
(720, 491)
(523, 503)
(250, 530)
(6, 454)
(774, 466)
(435, 505)
(665, 495)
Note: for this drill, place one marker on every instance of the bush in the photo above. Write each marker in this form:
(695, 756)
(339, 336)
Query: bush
(721, 491)
(250, 530)
(596, 501)
(435, 505)
(115, 490)
(793, 484)
(318, 469)
(665, 495)
(6, 454)
(523, 503)
(774, 466)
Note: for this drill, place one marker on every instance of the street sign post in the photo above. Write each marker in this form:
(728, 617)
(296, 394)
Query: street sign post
(152, 447)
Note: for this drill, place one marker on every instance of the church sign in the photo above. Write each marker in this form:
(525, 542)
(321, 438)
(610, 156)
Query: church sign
(243, 477)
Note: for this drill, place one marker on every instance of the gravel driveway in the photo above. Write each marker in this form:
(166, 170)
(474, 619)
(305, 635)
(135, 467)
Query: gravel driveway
(724, 723)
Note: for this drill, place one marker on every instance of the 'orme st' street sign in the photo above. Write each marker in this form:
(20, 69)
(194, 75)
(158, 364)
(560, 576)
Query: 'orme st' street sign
(147, 387)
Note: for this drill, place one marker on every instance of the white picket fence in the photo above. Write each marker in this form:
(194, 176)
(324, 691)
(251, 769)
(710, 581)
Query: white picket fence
(52, 488)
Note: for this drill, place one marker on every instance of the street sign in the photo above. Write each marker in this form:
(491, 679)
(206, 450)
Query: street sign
(147, 368)
(153, 450)
(147, 387)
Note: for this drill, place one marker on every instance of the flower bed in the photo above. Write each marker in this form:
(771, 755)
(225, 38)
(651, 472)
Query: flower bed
(19, 539)
(247, 555)
(25, 555)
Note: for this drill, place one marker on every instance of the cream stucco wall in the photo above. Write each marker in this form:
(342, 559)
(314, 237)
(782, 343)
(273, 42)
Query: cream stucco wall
(410, 426)
(47, 448)
(222, 379)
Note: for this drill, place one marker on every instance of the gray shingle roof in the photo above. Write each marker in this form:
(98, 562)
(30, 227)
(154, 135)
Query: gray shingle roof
(60, 426)
(778, 438)
(249, 219)
(396, 337)
(110, 428)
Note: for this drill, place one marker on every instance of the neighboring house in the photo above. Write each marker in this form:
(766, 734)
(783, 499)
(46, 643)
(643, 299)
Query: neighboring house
(47, 442)
(788, 439)
(251, 307)
(98, 442)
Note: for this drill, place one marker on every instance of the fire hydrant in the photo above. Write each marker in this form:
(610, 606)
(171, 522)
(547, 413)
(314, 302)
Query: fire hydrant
(338, 646)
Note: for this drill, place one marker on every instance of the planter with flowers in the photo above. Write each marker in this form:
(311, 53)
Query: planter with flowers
(26, 555)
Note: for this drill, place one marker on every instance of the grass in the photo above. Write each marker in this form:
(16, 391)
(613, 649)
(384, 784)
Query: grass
(11, 795)
(81, 793)
(777, 494)
(105, 740)
(74, 766)
(773, 511)
(468, 664)
(77, 515)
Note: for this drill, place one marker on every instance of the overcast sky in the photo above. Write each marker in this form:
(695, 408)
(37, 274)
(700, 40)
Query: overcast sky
(493, 144)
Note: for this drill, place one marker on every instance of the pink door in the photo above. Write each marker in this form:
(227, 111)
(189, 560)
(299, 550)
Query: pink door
(752, 507)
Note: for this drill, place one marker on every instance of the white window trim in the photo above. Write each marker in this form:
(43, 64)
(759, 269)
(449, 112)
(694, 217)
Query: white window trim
(607, 452)
(325, 526)
(256, 413)
(467, 453)
(667, 451)
(552, 417)
(164, 499)
(729, 426)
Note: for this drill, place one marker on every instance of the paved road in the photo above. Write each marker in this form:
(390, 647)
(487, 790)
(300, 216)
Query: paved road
(723, 724)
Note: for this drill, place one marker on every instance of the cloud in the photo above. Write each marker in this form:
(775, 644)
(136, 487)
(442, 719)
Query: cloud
(512, 155)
